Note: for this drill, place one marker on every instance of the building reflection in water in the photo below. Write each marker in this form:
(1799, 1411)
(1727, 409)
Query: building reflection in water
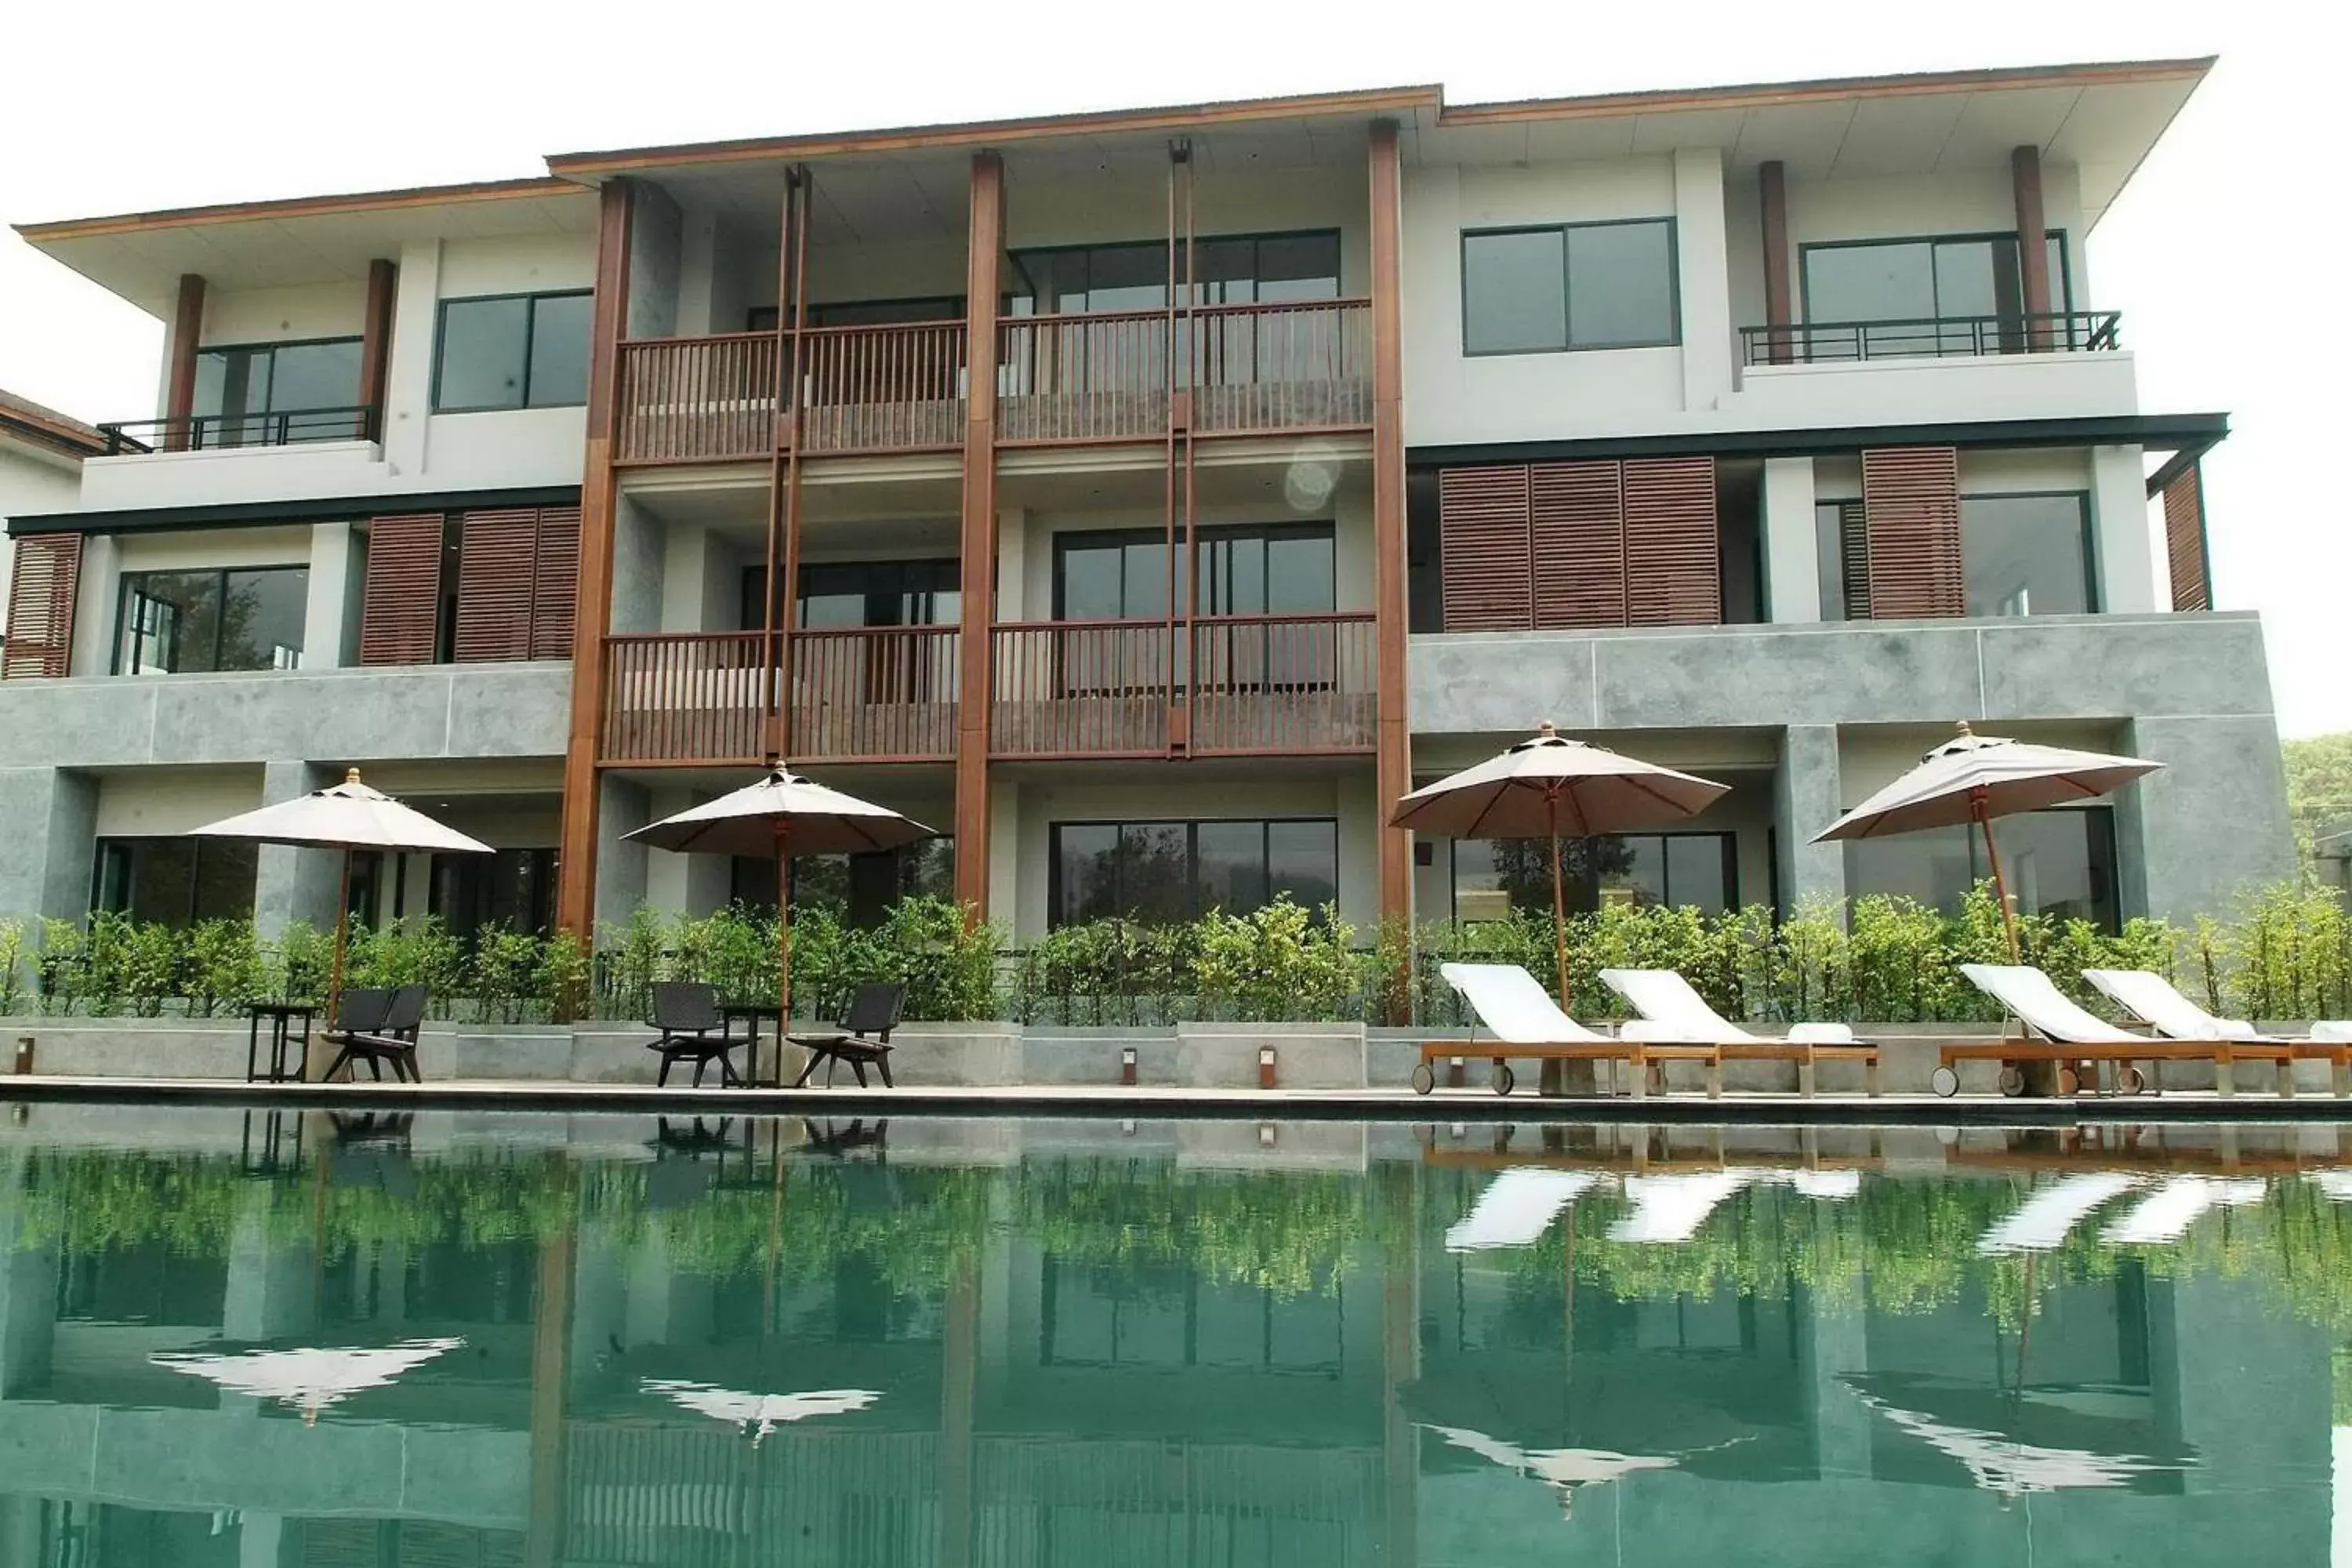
(599, 1342)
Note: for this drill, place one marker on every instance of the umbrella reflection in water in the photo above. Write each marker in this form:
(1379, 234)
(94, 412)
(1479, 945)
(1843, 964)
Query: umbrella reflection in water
(307, 1380)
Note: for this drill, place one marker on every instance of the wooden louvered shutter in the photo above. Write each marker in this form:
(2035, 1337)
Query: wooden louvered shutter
(1911, 508)
(400, 605)
(498, 555)
(1853, 557)
(1577, 514)
(2184, 540)
(1674, 550)
(555, 584)
(1485, 562)
(41, 591)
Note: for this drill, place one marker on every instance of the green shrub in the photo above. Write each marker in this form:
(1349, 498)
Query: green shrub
(300, 963)
(225, 968)
(11, 966)
(503, 975)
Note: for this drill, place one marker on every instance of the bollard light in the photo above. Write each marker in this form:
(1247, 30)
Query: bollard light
(1454, 1074)
(1266, 1134)
(1127, 1065)
(1266, 1066)
(24, 1056)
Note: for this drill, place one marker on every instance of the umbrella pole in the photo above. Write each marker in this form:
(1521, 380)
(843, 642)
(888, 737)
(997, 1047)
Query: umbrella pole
(1999, 883)
(783, 943)
(343, 935)
(1559, 902)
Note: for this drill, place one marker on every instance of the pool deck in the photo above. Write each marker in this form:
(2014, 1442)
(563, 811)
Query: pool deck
(1233, 1104)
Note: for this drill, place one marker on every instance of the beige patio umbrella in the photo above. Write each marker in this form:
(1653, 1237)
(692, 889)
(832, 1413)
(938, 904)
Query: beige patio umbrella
(347, 817)
(781, 816)
(1972, 779)
(1551, 785)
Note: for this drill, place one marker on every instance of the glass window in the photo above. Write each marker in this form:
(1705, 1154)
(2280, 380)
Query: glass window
(1582, 286)
(174, 623)
(1163, 872)
(510, 887)
(836, 594)
(1243, 570)
(1621, 285)
(1870, 282)
(2060, 863)
(1948, 277)
(235, 385)
(175, 880)
(1229, 269)
(517, 350)
(2027, 554)
(1493, 876)
(316, 375)
(861, 887)
(1844, 552)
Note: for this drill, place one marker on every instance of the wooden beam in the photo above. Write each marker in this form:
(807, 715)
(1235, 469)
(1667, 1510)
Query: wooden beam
(187, 331)
(1392, 767)
(2033, 241)
(984, 245)
(599, 499)
(1772, 191)
(375, 345)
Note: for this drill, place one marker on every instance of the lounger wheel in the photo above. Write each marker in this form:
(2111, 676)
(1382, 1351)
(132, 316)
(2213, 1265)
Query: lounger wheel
(1503, 1078)
(1944, 1082)
(1425, 1078)
(2069, 1081)
(2131, 1080)
(2012, 1082)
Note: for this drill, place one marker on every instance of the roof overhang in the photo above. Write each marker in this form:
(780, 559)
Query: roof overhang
(265, 514)
(2186, 437)
(46, 431)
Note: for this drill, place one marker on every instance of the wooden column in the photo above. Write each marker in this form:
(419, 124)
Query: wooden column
(375, 346)
(1392, 767)
(1399, 1195)
(550, 1343)
(1773, 192)
(599, 497)
(778, 614)
(2032, 242)
(958, 1408)
(187, 331)
(985, 245)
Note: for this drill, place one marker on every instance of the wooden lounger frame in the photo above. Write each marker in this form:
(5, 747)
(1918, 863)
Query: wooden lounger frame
(1640, 1056)
(2081, 1061)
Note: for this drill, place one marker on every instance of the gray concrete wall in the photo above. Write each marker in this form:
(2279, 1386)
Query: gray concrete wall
(48, 819)
(2189, 690)
(292, 884)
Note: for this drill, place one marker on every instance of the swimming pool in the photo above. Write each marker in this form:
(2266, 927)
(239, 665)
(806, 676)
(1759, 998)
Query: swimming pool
(236, 1337)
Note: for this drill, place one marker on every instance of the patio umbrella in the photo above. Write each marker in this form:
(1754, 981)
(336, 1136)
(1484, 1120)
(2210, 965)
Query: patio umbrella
(758, 1414)
(346, 816)
(1973, 778)
(781, 816)
(1548, 785)
(308, 1380)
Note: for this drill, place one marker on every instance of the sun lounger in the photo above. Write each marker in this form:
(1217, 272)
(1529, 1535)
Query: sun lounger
(2158, 1003)
(1673, 1011)
(2075, 1040)
(1528, 1025)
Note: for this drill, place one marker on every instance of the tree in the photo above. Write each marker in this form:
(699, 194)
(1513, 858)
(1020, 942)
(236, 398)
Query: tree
(2318, 785)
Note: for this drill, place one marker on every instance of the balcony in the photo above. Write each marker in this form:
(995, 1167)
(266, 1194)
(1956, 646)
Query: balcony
(219, 432)
(1254, 685)
(1110, 376)
(1929, 337)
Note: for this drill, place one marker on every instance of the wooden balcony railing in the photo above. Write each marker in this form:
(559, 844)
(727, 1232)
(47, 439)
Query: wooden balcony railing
(1106, 376)
(894, 388)
(1251, 684)
(685, 697)
(696, 400)
(875, 694)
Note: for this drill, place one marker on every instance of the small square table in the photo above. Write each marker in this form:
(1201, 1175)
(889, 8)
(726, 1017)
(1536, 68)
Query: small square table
(290, 1029)
(752, 1015)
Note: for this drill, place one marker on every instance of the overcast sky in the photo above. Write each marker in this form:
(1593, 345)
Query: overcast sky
(2218, 254)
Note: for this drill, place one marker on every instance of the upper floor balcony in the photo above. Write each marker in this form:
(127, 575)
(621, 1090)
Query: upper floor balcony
(1108, 376)
(220, 432)
(1930, 337)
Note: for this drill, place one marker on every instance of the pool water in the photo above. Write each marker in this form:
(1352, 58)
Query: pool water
(454, 1342)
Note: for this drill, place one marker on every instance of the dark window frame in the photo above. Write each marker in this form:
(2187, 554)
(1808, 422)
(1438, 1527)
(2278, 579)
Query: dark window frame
(958, 310)
(1674, 337)
(1728, 837)
(1122, 538)
(2063, 295)
(2093, 600)
(123, 592)
(1192, 826)
(108, 845)
(1026, 286)
(529, 333)
(754, 577)
(273, 345)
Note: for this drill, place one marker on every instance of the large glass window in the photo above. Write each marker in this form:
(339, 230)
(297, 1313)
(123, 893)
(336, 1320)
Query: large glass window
(180, 622)
(2060, 863)
(1577, 286)
(1953, 276)
(866, 593)
(1164, 872)
(1493, 876)
(510, 887)
(1230, 269)
(1247, 569)
(513, 351)
(236, 385)
(176, 881)
(861, 887)
(2027, 554)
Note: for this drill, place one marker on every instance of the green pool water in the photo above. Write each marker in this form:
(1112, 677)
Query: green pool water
(454, 1342)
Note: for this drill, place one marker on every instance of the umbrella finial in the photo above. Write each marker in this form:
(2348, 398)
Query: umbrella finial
(351, 775)
(1963, 728)
(1547, 728)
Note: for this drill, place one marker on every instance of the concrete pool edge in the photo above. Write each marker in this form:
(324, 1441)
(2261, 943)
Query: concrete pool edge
(1233, 1104)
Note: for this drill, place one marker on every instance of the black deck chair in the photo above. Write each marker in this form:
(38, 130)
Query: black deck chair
(686, 1013)
(863, 1036)
(392, 1040)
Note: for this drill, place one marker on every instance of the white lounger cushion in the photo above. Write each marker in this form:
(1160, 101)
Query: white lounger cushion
(2030, 994)
(1513, 1008)
(1674, 1014)
(2334, 1032)
(2156, 1001)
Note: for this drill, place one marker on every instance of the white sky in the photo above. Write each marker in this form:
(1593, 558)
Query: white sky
(2219, 254)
